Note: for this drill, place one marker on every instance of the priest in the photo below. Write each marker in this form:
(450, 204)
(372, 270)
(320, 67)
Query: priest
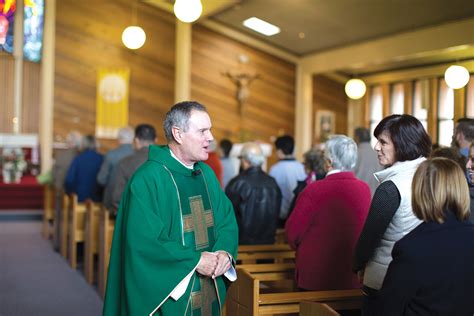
(175, 236)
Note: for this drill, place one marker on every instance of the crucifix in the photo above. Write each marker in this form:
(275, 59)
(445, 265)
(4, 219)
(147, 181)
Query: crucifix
(242, 81)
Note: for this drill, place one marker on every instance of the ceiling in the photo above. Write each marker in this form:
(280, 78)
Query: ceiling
(312, 26)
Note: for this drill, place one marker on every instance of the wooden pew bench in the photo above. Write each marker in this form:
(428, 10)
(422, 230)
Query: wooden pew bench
(75, 227)
(106, 232)
(91, 239)
(48, 213)
(247, 297)
(277, 253)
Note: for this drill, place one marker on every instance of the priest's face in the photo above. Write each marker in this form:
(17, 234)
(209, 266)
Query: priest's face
(196, 140)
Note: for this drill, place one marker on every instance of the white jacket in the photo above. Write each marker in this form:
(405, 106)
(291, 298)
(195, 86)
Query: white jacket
(404, 221)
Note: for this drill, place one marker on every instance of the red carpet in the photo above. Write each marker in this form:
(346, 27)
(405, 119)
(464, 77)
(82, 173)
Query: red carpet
(26, 195)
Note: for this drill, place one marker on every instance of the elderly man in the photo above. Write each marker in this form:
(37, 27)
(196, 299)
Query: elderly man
(145, 135)
(111, 159)
(327, 220)
(256, 198)
(175, 234)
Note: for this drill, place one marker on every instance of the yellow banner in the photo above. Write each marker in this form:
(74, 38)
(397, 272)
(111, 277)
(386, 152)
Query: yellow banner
(112, 101)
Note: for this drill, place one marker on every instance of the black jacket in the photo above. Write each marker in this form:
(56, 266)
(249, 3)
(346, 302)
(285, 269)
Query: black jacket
(256, 198)
(431, 271)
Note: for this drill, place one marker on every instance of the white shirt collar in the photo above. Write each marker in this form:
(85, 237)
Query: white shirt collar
(191, 167)
(333, 171)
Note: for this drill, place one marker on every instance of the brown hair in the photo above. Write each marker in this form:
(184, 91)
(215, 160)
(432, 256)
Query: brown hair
(439, 185)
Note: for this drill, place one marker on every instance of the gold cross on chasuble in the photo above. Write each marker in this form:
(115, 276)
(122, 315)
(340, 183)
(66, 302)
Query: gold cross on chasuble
(198, 222)
(204, 298)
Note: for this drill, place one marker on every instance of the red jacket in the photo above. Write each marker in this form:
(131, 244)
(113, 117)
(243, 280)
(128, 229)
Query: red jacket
(215, 163)
(324, 228)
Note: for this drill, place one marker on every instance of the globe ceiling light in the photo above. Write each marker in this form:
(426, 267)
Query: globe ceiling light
(456, 76)
(187, 10)
(355, 88)
(133, 37)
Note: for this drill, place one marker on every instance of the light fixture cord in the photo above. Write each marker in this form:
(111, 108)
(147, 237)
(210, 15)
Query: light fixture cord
(134, 13)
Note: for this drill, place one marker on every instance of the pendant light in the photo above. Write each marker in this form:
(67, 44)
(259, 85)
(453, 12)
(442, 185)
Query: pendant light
(187, 11)
(456, 76)
(133, 37)
(355, 88)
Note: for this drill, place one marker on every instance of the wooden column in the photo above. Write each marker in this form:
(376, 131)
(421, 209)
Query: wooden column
(459, 103)
(18, 72)
(47, 87)
(433, 110)
(408, 97)
(303, 112)
(183, 61)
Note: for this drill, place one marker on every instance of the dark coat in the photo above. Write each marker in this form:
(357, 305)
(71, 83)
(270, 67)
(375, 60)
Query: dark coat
(256, 198)
(81, 177)
(124, 171)
(431, 272)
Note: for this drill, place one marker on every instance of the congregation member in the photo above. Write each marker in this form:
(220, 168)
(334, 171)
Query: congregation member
(314, 166)
(327, 220)
(463, 135)
(145, 135)
(81, 177)
(214, 161)
(367, 163)
(61, 165)
(175, 236)
(256, 198)
(229, 169)
(111, 159)
(431, 270)
(402, 144)
(470, 178)
(287, 172)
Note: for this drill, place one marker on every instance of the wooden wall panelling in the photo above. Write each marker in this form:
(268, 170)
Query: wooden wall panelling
(269, 109)
(88, 37)
(30, 106)
(329, 95)
(6, 92)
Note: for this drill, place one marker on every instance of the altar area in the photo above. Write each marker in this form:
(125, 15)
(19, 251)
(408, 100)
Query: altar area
(19, 161)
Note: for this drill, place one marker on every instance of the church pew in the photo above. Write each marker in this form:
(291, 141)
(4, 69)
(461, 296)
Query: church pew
(106, 232)
(308, 308)
(91, 239)
(247, 296)
(270, 271)
(77, 214)
(278, 253)
(280, 237)
(63, 222)
(48, 212)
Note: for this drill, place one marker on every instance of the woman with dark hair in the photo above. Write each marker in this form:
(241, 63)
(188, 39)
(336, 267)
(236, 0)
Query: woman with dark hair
(402, 144)
(430, 273)
(315, 170)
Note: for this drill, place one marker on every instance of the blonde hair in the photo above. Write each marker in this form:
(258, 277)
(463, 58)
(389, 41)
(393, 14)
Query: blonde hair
(439, 185)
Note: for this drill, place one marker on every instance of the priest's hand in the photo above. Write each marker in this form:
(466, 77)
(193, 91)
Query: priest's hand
(207, 264)
(223, 264)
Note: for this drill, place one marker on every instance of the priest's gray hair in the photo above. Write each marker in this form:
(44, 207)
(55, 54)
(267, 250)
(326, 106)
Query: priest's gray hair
(178, 116)
(341, 151)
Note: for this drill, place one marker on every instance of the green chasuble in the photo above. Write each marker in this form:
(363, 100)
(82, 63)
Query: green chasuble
(168, 215)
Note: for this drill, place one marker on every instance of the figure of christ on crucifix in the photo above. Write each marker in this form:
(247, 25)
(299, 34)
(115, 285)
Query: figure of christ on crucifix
(242, 81)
